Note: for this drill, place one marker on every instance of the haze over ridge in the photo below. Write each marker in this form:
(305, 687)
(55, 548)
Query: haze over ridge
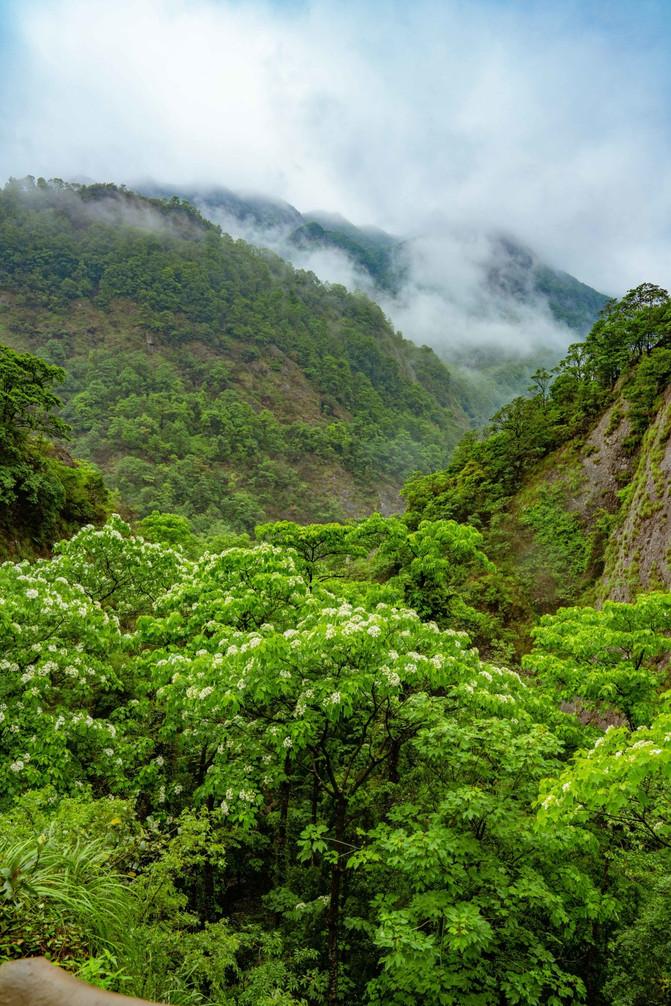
(549, 122)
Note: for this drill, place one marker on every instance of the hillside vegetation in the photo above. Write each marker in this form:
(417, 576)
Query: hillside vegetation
(384, 259)
(570, 484)
(515, 287)
(255, 775)
(44, 494)
(207, 377)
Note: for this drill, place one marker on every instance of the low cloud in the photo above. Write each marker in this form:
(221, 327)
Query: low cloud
(545, 120)
(445, 296)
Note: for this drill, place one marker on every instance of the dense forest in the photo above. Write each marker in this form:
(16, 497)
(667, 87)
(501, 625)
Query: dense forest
(207, 377)
(409, 759)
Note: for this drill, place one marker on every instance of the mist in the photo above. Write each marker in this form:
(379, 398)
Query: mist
(444, 123)
(444, 298)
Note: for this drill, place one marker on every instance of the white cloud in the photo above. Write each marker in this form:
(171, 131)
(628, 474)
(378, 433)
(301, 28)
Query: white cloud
(530, 118)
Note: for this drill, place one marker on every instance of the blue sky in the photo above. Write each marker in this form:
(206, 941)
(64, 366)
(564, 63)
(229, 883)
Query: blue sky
(547, 119)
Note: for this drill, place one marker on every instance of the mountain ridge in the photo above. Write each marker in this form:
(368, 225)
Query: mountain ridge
(191, 355)
(380, 253)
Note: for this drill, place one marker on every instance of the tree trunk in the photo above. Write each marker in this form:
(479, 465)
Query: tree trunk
(281, 860)
(333, 922)
(207, 907)
(394, 755)
(315, 807)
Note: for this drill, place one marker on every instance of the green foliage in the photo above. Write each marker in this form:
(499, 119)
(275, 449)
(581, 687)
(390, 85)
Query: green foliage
(561, 541)
(119, 570)
(649, 379)
(244, 772)
(543, 499)
(26, 399)
(612, 659)
(488, 468)
(207, 377)
(227, 783)
(639, 970)
(316, 544)
(41, 495)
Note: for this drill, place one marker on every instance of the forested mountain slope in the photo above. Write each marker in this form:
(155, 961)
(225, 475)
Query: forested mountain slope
(513, 269)
(571, 485)
(208, 377)
(490, 306)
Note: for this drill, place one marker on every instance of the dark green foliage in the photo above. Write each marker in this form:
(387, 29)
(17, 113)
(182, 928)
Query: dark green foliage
(639, 967)
(206, 376)
(517, 272)
(43, 494)
(373, 252)
(518, 479)
(26, 399)
(650, 378)
(561, 542)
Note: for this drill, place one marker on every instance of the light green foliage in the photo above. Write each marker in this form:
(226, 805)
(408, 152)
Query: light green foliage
(612, 660)
(71, 885)
(120, 570)
(57, 682)
(435, 562)
(466, 875)
(624, 777)
(168, 529)
(294, 788)
(316, 544)
(620, 788)
(280, 745)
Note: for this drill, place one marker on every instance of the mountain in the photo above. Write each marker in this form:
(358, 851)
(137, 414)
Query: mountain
(511, 270)
(516, 271)
(488, 305)
(373, 252)
(210, 378)
(257, 211)
(344, 762)
(571, 485)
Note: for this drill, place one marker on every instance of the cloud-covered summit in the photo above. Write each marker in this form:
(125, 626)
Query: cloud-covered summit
(546, 120)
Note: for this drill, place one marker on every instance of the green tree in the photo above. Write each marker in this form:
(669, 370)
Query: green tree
(27, 401)
(610, 660)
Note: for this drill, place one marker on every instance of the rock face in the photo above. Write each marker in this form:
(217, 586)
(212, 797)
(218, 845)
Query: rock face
(605, 466)
(639, 551)
(619, 498)
(35, 982)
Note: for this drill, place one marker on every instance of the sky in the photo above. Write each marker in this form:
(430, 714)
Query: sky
(549, 120)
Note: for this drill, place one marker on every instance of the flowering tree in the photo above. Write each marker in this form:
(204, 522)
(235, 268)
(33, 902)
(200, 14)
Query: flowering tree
(354, 770)
(57, 682)
(118, 569)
